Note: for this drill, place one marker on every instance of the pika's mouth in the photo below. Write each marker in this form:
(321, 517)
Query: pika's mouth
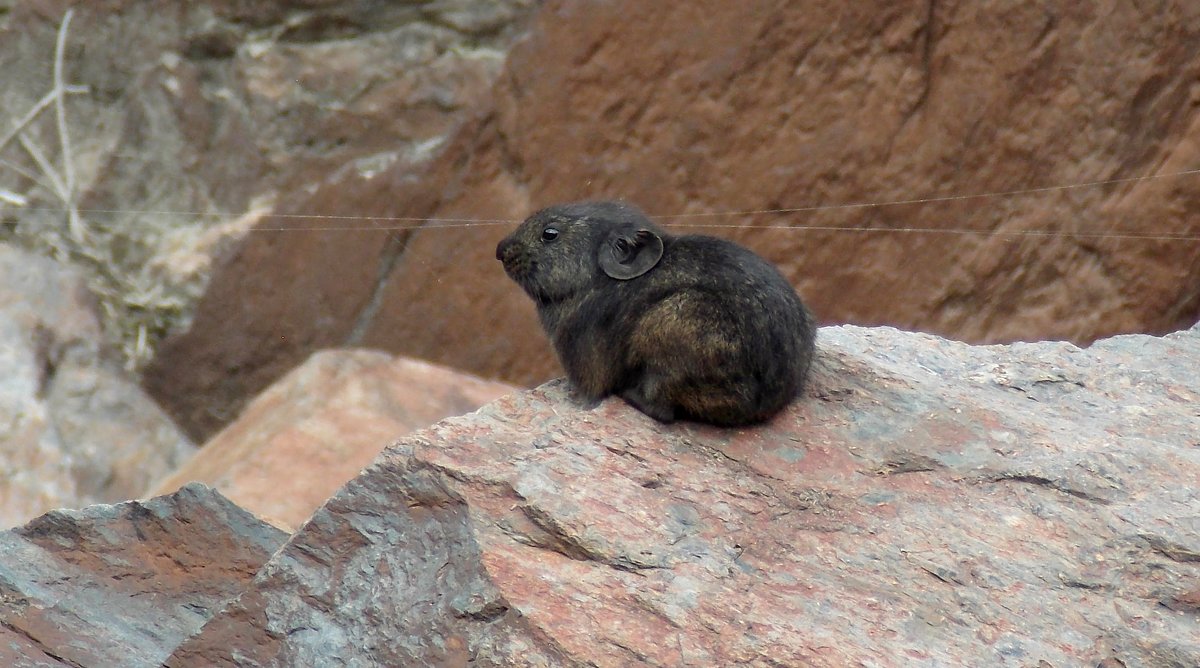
(522, 273)
(520, 268)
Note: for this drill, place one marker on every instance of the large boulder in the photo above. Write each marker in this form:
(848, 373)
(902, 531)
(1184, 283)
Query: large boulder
(75, 427)
(320, 425)
(699, 108)
(925, 503)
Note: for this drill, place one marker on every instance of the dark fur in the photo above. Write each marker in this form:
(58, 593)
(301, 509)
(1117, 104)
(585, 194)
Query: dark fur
(712, 332)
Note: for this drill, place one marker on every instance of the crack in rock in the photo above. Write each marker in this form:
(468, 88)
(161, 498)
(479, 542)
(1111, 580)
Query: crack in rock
(1056, 484)
(1172, 550)
(559, 539)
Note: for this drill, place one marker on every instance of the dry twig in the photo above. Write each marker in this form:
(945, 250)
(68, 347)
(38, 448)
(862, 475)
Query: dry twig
(62, 184)
(36, 109)
(74, 222)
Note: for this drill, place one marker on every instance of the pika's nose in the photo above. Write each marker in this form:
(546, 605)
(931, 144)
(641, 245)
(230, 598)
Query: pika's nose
(501, 247)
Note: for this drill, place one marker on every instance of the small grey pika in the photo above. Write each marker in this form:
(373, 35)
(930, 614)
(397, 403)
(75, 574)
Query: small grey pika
(682, 327)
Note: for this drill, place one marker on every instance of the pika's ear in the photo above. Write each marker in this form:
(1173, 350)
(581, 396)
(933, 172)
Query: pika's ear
(629, 252)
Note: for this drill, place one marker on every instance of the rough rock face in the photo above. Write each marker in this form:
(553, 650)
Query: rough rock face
(181, 117)
(123, 585)
(315, 429)
(75, 428)
(700, 107)
(927, 503)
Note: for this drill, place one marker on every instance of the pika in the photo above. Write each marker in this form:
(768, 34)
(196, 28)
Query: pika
(681, 327)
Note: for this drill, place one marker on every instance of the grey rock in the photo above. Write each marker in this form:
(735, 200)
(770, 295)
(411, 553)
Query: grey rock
(75, 427)
(122, 585)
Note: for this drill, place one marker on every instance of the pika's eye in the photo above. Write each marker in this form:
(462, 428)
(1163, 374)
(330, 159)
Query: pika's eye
(549, 234)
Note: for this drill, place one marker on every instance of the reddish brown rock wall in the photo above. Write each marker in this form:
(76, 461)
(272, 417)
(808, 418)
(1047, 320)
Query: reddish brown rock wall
(700, 107)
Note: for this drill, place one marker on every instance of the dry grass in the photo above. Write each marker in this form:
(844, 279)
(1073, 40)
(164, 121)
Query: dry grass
(140, 299)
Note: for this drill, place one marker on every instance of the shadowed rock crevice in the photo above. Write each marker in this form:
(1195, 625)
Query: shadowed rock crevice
(392, 250)
(1173, 551)
(557, 538)
(1058, 485)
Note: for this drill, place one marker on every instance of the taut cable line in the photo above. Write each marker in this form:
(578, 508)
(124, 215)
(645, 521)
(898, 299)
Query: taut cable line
(344, 223)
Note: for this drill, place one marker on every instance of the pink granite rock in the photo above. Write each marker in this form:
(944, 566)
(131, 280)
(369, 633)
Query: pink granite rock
(926, 503)
(306, 435)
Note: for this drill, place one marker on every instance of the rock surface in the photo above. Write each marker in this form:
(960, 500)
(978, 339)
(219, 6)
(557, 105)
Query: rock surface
(701, 107)
(75, 428)
(926, 503)
(123, 585)
(182, 117)
(316, 428)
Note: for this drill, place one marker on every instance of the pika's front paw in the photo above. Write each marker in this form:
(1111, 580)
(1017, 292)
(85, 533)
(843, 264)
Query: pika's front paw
(660, 411)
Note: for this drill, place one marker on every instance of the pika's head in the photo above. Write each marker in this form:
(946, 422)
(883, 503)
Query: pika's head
(565, 250)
